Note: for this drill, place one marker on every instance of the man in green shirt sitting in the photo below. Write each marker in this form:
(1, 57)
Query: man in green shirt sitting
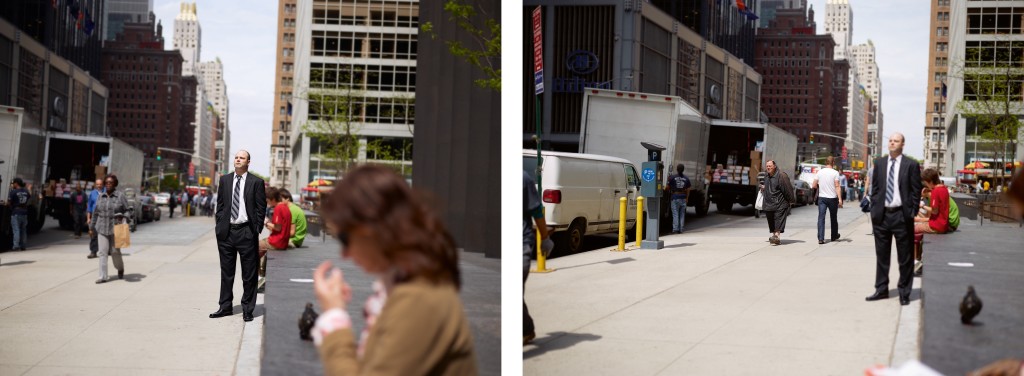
(298, 219)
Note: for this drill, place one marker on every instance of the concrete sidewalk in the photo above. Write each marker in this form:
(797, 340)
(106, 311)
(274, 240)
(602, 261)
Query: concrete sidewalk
(55, 320)
(722, 301)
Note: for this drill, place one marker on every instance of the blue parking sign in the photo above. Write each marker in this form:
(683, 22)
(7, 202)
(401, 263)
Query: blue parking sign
(648, 174)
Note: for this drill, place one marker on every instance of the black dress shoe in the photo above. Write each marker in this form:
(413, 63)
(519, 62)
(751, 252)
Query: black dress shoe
(878, 295)
(246, 317)
(221, 313)
(821, 242)
(120, 274)
(904, 300)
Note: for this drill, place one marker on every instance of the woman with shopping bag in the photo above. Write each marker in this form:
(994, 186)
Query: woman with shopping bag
(110, 226)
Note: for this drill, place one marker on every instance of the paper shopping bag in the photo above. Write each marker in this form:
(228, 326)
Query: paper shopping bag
(122, 239)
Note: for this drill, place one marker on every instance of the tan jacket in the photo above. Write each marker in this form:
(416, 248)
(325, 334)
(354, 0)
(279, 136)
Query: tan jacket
(422, 330)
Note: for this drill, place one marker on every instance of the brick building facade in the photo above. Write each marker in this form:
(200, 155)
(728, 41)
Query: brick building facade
(151, 104)
(804, 86)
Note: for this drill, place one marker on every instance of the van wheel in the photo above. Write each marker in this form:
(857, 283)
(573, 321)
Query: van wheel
(571, 240)
(702, 205)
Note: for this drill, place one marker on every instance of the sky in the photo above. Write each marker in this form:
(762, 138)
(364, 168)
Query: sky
(900, 31)
(245, 39)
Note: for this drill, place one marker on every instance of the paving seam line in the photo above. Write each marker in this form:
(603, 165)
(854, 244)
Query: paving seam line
(250, 347)
(907, 341)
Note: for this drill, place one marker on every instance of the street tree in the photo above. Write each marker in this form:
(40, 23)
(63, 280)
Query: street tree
(338, 108)
(993, 83)
(336, 104)
(484, 52)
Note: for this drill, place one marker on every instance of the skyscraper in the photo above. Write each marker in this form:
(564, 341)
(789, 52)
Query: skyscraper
(867, 73)
(280, 139)
(355, 79)
(188, 37)
(839, 23)
(984, 87)
(212, 73)
(938, 70)
(188, 40)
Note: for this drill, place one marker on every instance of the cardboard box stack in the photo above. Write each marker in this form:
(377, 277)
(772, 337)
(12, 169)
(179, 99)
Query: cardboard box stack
(755, 166)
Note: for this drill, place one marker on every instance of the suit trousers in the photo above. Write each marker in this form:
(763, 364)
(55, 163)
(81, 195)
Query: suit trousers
(894, 225)
(240, 244)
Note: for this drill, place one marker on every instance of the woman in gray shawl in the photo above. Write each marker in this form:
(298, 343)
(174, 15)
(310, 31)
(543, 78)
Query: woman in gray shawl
(778, 198)
(111, 208)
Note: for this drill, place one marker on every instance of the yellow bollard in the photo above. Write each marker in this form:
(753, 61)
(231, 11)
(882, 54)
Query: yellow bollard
(622, 224)
(639, 219)
(541, 260)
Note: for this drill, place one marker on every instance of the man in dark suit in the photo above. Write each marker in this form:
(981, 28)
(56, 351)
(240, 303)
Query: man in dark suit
(895, 193)
(241, 208)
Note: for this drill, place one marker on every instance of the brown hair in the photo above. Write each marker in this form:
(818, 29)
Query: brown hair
(830, 161)
(273, 194)
(930, 175)
(283, 194)
(411, 236)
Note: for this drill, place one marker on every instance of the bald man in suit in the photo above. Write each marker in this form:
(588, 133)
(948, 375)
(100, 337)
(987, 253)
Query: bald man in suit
(241, 208)
(895, 193)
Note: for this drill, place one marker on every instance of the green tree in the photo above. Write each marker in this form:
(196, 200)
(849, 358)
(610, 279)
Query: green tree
(336, 104)
(484, 52)
(993, 85)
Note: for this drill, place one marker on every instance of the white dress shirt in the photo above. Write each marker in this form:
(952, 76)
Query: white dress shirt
(242, 216)
(897, 201)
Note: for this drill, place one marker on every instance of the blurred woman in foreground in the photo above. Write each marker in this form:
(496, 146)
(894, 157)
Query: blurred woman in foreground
(415, 320)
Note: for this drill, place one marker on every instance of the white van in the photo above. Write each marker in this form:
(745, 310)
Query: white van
(581, 194)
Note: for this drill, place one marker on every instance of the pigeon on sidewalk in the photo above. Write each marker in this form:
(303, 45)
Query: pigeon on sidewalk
(306, 322)
(970, 306)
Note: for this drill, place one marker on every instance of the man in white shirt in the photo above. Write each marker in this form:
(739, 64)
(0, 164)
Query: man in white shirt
(826, 181)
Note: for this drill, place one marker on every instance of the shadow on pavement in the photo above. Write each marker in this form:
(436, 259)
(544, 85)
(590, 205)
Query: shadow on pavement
(557, 341)
(680, 245)
(616, 261)
(17, 263)
(135, 277)
(790, 241)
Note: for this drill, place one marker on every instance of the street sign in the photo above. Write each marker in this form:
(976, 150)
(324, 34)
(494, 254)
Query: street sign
(538, 53)
(844, 153)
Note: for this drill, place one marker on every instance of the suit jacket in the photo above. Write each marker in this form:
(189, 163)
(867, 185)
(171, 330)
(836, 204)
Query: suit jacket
(422, 330)
(908, 179)
(255, 204)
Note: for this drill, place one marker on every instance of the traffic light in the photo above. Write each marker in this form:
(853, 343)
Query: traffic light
(812, 143)
(158, 154)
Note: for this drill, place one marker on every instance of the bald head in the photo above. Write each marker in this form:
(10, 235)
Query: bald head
(241, 161)
(896, 141)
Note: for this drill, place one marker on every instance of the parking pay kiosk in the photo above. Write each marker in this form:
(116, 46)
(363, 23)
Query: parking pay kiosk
(652, 178)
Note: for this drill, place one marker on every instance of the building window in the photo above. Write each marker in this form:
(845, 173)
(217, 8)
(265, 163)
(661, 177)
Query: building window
(1004, 20)
(941, 46)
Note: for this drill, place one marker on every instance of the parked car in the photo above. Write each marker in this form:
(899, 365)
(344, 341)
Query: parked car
(804, 192)
(581, 194)
(135, 206)
(161, 198)
(150, 210)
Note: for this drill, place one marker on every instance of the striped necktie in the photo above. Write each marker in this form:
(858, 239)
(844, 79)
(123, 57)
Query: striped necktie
(890, 185)
(235, 198)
